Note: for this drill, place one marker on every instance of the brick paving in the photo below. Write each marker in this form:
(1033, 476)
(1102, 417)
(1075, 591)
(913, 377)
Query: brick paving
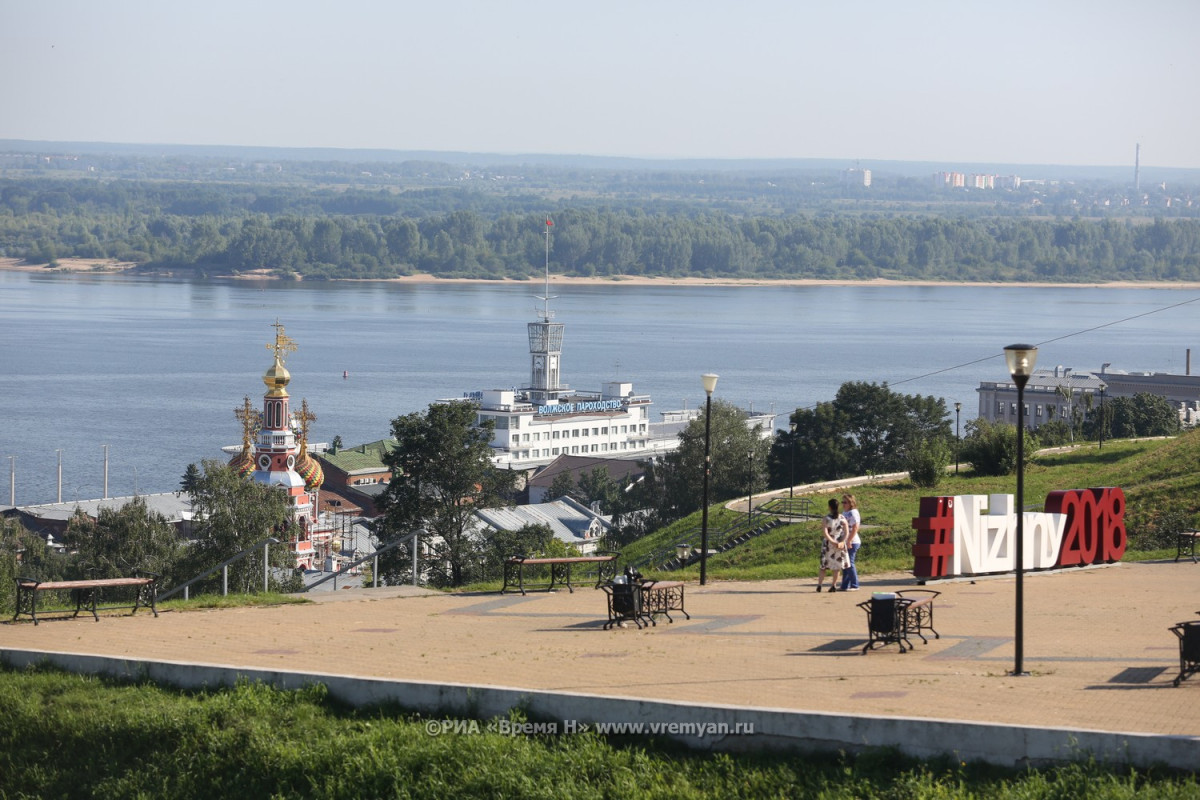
(1096, 646)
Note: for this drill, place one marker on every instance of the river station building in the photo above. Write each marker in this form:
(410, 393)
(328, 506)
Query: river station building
(547, 419)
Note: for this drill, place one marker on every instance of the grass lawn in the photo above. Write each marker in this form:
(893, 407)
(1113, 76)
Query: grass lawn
(70, 736)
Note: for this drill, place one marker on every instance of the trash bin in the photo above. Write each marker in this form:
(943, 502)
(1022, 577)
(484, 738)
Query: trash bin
(883, 612)
(1189, 648)
(626, 599)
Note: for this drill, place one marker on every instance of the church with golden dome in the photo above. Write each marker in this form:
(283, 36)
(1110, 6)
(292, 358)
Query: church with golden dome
(275, 452)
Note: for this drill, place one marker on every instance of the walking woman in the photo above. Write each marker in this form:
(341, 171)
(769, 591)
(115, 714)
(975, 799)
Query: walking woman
(833, 546)
(853, 542)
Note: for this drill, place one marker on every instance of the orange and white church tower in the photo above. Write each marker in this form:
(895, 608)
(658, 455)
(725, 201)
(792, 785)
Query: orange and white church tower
(280, 451)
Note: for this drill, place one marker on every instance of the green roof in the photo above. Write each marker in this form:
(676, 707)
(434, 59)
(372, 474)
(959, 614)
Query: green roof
(360, 458)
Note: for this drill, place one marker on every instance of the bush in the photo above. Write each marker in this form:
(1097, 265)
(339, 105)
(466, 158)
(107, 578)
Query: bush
(991, 447)
(1054, 434)
(1155, 529)
(927, 461)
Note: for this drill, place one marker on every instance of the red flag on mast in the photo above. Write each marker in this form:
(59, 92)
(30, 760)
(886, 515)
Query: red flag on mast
(548, 222)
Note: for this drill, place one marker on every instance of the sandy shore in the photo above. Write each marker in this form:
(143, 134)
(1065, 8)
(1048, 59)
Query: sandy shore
(94, 265)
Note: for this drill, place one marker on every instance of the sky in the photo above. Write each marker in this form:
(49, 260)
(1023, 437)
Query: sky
(955, 81)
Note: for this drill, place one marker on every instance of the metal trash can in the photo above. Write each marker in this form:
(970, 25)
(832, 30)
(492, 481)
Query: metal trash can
(883, 612)
(1189, 648)
(626, 599)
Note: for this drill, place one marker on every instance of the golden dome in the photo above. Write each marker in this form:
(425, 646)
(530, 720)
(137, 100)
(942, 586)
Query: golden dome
(277, 378)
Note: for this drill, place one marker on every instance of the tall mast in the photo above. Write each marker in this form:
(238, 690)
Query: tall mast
(545, 344)
(545, 296)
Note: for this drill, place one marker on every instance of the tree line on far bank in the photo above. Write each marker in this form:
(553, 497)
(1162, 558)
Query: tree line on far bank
(495, 238)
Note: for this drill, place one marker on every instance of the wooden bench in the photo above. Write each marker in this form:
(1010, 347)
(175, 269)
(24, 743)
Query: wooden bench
(560, 571)
(663, 597)
(918, 612)
(86, 594)
(1186, 544)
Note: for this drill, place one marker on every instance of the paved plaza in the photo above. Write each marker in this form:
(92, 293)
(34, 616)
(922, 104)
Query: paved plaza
(1096, 646)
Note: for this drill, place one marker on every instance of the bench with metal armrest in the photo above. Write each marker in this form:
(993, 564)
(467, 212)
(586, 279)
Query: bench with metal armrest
(86, 594)
(640, 601)
(560, 571)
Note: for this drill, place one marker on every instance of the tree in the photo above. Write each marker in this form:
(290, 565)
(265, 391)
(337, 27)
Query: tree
(123, 540)
(442, 473)
(1143, 414)
(597, 486)
(23, 554)
(813, 451)
(232, 513)
(1053, 433)
(881, 425)
(676, 481)
(867, 428)
(991, 447)
(528, 540)
(927, 461)
(191, 479)
(563, 485)
(1068, 394)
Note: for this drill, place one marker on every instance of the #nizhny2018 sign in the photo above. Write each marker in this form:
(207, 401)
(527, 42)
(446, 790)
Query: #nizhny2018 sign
(976, 534)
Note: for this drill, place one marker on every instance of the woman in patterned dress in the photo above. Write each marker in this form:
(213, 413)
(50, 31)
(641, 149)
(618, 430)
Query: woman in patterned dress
(833, 546)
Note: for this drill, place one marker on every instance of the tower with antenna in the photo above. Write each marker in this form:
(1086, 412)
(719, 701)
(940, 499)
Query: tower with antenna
(545, 345)
(1137, 167)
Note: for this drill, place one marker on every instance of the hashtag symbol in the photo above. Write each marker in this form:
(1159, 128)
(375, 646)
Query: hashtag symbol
(935, 541)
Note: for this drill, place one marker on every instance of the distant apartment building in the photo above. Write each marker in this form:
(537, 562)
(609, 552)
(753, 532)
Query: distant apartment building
(960, 180)
(856, 177)
(949, 180)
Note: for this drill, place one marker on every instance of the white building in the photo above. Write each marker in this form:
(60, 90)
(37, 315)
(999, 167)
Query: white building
(546, 419)
(1061, 393)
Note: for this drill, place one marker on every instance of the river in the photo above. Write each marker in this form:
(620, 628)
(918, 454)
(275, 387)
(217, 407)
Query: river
(153, 367)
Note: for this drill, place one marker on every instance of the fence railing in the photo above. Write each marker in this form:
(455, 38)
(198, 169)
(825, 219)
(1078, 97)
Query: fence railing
(374, 558)
(265, 544)
(668, 558)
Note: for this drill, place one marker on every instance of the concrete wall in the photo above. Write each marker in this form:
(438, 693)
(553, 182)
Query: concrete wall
(712, 727)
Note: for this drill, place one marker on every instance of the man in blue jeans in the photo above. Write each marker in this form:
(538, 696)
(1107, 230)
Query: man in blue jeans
(853, 519)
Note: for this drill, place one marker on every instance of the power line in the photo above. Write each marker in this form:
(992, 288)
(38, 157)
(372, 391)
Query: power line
(1049, 341)
(1040, 344)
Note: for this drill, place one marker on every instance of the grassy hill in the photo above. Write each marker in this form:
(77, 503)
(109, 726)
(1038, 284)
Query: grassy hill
(1160, 478)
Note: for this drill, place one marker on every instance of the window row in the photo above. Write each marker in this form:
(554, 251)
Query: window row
(577, 450)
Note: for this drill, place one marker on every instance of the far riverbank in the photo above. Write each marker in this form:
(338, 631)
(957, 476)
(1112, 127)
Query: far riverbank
(107, 266)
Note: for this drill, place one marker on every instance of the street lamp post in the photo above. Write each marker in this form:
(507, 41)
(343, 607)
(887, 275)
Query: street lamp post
(792, 473)
(750, 492)
(957, 437)
(1020, 359)
(710, 384)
